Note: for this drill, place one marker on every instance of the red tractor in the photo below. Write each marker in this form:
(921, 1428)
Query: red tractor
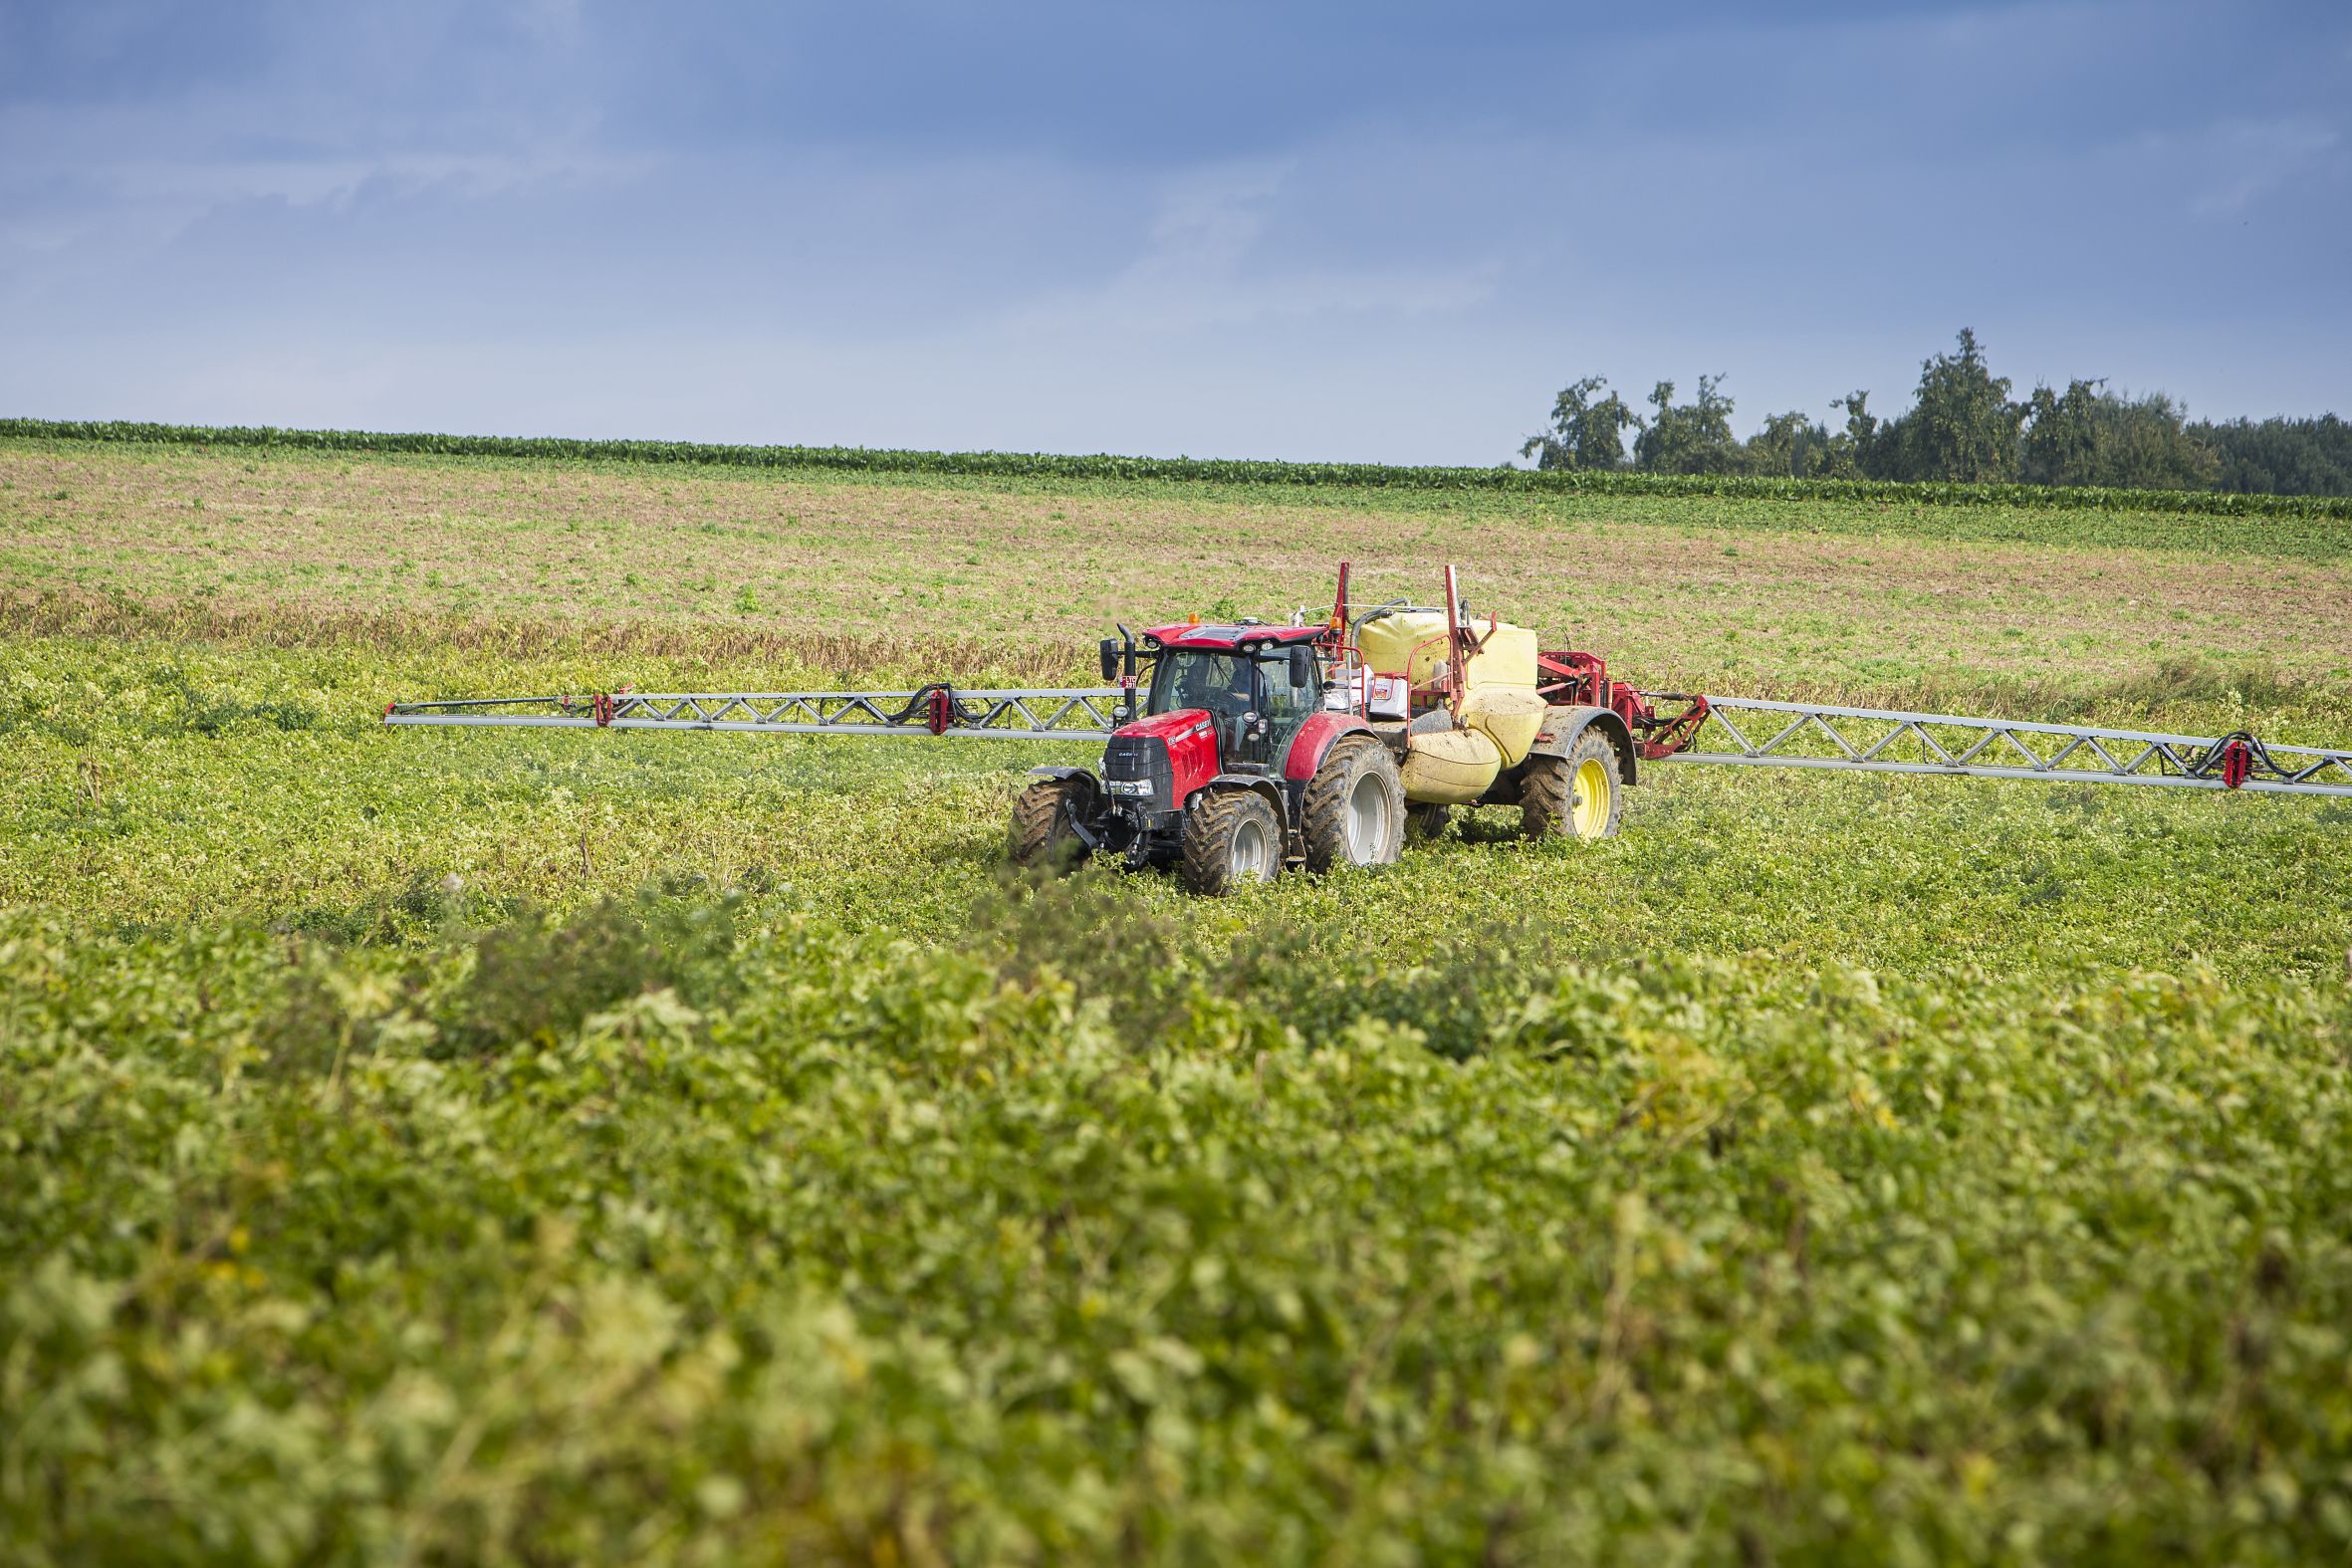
(1259, 747)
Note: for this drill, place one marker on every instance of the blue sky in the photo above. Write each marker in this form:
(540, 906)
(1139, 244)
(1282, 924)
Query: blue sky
(1364, 231)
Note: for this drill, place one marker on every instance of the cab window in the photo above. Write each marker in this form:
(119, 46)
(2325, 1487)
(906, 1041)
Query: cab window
(1286, 704)
(1218, 682)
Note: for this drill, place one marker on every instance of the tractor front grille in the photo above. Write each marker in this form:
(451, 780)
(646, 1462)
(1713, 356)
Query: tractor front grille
(1133, 759)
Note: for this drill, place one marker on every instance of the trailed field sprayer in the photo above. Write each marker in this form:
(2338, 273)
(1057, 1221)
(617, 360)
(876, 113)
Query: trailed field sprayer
(1236, 749)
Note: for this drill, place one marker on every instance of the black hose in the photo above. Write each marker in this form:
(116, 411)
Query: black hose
(2212, 761)
(965, 710)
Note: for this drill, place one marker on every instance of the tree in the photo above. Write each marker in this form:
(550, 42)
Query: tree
(1789, 445)
(1963, 425)
(2285, 457)
(1689, 438)
(2091, 436)
(2061, 435)
(1584, 433)
(2149, 445)
(1857, 452)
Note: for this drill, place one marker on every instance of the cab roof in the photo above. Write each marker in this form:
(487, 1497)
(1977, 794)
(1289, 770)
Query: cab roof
(1229, 639)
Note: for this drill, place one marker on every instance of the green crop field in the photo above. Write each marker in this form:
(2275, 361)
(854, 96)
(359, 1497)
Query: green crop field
(532, 1147)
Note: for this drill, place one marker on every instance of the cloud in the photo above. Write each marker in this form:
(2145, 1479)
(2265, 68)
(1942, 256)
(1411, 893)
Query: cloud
(1206, 259)
(1297, 232)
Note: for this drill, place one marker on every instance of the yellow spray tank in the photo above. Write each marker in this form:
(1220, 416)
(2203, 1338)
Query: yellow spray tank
(1455, 749)
(1510, 715)
(1449, 767)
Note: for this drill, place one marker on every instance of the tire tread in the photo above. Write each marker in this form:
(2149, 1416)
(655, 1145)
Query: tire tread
(1038, 813)
(1208, 838)
(1547, 791)
(1324, 817)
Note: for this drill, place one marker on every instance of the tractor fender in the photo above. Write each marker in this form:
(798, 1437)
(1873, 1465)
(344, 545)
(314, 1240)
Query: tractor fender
(1315, 741)
(1563, 725)
(1066, 773)
(1308, 748)
(1256, 783)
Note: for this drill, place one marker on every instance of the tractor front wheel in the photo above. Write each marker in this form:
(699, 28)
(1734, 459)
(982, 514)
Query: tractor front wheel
(1045, 817)
(1231, 837)
(1355, 808)
(1579, 795)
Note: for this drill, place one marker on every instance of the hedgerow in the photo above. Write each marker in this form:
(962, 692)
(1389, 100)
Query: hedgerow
(1044, 465)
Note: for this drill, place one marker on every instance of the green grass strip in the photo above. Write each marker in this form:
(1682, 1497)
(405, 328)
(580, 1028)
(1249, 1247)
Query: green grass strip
(1375, 476)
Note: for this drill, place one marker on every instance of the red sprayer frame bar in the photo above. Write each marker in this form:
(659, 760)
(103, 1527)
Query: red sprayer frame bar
(1582, 680)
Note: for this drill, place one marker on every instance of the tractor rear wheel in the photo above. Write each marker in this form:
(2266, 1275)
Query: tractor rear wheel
(1355, 808)
(1045, 817)
(1230, 838)
(1579, 795)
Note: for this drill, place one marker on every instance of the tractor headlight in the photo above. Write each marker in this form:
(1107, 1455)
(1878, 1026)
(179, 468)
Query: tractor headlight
(1135, 788)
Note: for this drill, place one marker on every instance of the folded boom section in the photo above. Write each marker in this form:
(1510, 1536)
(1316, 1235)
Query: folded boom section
(1025, 714)
(1753, 732)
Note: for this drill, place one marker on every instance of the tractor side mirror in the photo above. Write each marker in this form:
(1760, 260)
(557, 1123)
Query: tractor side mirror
(1110, 658)
(1301, 666)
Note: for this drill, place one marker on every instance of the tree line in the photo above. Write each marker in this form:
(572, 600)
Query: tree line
(1963, 425)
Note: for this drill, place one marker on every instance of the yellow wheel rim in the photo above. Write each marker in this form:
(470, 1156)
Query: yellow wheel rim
(1590, 812)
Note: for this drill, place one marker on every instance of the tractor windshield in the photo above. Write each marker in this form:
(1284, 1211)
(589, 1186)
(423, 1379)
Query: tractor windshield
(1220, 682)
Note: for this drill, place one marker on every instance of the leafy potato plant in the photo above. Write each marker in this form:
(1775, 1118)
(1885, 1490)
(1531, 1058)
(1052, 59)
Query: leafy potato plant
(835, 1246)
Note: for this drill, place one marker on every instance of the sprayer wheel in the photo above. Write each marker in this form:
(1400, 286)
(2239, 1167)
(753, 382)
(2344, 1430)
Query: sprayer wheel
(1231, 837)
(1355, 808)
(1579, 795)
(1045, 822)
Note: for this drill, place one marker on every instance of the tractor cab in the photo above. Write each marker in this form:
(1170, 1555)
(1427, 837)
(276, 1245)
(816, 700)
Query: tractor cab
(1256, 684)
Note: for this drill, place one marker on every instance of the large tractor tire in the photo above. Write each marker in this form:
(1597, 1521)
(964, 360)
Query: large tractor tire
(1045, 822)
(1230, 838)
(1579, 795)
(1355, 808)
